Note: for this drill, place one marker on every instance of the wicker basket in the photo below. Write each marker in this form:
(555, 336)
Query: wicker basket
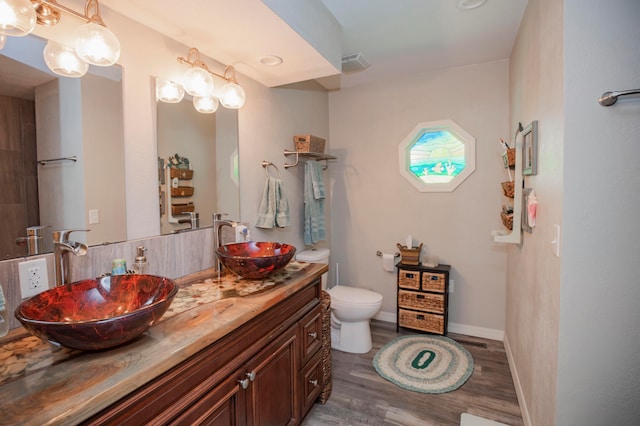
(182, 191)
(409, 256)
(309, 143)
(409, 279)
(181, 173)
(325, 303)
(508, 189)
(507, 220)
(431, 323)
(423, 301)
(177, 209)
(432, 281)
(509, 157)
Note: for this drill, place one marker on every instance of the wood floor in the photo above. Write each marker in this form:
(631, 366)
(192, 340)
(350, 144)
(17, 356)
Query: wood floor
(361, 397)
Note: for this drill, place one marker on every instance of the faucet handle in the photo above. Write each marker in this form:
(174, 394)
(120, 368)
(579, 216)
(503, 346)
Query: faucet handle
(218, 216)
(63, 235)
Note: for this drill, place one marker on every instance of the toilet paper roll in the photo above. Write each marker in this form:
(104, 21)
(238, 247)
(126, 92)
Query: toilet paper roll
(388, 262)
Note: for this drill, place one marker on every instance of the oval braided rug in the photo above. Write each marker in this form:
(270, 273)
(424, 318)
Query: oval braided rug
(424, 363)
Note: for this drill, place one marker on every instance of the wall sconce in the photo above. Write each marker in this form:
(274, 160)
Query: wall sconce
(94, 43)
(198, 81)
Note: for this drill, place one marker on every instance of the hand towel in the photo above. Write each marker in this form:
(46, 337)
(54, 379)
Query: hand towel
(314, 193)
(274, 207)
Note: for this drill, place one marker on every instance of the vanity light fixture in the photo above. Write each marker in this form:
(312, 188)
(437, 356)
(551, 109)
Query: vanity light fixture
(17, 17)
(205, 104)
(93, 42)
(199, 82)
(168, 91)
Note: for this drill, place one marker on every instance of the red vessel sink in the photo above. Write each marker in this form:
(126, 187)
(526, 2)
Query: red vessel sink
(99, 313)
(255, 260)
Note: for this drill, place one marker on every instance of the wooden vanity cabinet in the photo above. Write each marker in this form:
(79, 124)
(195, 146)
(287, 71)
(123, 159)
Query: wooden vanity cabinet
(256, 375)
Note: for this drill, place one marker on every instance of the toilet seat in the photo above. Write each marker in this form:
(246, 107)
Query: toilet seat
(352, 296)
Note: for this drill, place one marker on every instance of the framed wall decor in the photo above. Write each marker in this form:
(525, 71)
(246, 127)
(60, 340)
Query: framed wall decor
(530, 149)
(525, 223)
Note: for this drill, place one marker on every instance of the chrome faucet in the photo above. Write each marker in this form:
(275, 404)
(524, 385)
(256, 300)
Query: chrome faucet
(193, 220)
(62, 246)
(33, 240)
(218, 224)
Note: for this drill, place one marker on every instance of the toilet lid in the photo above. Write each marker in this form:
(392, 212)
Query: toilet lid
(354, 295)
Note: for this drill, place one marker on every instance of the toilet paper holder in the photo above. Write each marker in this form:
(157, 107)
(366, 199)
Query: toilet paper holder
(379, 253)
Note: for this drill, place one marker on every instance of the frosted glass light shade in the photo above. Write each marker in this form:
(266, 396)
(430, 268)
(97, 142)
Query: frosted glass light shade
(205, 104)
(198, 82)
(97, 45)
(168, 91)
(63, 60)
(17, 17)
(232, 96)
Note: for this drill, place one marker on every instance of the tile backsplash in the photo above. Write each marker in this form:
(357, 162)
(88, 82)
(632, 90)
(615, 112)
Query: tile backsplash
(171, 256)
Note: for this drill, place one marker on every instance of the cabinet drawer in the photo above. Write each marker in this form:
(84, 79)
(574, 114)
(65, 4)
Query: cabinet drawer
(409, 279)
(311, 385)
(311, 334)
(432, 281)
(421, 321)
(422, 301)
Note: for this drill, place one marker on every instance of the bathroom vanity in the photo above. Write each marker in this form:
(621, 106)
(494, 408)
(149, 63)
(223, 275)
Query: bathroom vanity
(228, 351)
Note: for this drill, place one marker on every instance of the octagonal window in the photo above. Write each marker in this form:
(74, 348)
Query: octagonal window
(437, 156)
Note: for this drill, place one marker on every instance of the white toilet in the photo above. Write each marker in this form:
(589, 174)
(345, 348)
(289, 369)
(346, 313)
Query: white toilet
(351, 309)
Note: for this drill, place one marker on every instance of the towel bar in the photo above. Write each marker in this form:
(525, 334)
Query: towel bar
(266, 165)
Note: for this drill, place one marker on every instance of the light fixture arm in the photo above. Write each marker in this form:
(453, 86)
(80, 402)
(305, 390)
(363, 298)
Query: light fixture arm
(193, 59)
(45, 7)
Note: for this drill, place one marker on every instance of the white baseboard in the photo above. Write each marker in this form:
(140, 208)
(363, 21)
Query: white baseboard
(526, 419)
(469, 330)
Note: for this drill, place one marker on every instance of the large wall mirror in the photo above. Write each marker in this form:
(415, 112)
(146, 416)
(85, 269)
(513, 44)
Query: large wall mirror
(62, 151)
(197, 164)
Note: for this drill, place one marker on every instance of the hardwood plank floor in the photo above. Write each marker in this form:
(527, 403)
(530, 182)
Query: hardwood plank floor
(361, 397)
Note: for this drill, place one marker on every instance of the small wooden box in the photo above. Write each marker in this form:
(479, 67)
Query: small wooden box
(409, 279)
(432, 281)
(422, 301)
(309, 143)
(421, 321)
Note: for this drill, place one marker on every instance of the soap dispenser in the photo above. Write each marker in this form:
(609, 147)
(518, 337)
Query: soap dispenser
(140, 265)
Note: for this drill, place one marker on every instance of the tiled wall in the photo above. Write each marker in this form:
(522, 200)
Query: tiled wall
(171, 256)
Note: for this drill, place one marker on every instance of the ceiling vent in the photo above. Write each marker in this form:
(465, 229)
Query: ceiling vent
(354, 63)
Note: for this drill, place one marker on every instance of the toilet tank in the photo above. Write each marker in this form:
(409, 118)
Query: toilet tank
(316, 256)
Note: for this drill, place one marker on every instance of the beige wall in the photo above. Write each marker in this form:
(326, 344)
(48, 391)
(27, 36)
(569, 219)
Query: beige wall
(533, 290)
(374, 207)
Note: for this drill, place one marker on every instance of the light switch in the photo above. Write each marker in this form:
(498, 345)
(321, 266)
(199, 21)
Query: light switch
(94, 217)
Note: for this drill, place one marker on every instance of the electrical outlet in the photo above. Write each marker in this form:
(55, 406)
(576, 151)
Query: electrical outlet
(450, 286)
(33, 277)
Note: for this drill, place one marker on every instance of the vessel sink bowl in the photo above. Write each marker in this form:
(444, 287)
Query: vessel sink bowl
(98, 313)
(255, 260)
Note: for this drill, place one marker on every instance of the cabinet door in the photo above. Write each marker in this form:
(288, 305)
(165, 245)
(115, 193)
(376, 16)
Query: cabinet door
(224, 405)
(310, 335)
(272, 395)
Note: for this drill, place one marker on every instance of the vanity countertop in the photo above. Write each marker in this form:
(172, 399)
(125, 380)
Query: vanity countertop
(42, 385)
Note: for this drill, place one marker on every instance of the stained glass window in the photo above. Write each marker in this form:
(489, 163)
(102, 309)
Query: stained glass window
(437, 156)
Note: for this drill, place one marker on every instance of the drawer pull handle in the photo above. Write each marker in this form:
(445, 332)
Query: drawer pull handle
(419, 296)
(410, 275)
(313, 334)
(420, 317)
(244, 383)
(251, 376)
(313, 382)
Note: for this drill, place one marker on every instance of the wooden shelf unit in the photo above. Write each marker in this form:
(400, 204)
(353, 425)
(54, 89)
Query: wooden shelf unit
(423, 298)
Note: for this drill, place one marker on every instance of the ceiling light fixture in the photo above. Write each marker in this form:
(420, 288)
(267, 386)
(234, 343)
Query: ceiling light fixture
(93, 43)
(199, 82)
(470, 4)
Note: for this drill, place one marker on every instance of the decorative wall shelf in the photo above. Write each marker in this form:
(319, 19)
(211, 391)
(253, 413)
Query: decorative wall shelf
(310, 155)
(514, 236)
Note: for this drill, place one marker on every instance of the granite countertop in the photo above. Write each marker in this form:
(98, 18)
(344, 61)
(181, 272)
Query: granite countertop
(43, 385)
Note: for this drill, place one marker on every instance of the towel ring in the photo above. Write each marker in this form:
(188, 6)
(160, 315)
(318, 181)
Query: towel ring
(266, 165)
